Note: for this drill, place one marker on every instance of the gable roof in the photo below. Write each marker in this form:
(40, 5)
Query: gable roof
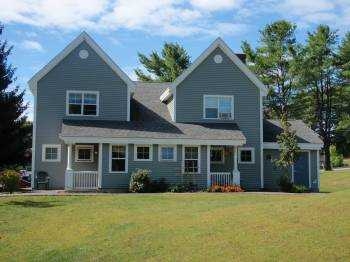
(67, 50)
(219, 43)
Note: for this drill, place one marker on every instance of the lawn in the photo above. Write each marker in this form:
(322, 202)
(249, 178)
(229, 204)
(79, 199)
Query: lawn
(182, 227)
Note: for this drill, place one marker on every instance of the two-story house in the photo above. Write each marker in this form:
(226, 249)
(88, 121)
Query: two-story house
(94, 126)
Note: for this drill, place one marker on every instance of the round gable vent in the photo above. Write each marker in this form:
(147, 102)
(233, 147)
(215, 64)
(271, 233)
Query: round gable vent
(218, 59)
(83, 54)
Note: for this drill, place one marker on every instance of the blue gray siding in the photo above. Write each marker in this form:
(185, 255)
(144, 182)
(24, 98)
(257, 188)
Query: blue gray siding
(171, 171)
(74, 73)
(224, 79)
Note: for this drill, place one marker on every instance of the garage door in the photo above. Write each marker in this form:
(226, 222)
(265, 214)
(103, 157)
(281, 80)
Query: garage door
(301, 170)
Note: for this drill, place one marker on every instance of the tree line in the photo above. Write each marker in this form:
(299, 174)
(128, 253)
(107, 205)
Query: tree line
(306, 80)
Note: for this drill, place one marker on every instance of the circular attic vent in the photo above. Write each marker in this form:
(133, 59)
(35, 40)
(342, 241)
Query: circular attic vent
(218, 59)
(83, 54)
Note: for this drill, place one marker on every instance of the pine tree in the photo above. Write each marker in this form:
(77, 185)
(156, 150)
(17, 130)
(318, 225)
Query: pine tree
(13, 129)
(165, 67)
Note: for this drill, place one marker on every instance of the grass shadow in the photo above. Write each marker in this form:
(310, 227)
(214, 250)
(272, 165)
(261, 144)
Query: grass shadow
(35, 204)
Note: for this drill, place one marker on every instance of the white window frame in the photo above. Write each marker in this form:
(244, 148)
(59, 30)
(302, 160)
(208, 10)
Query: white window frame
(222, 153)
(91, 147)
(43, 152)
(160, 153)
(252, 149)
(97, 93)
(126, 159)
(150, 152)
(199, 159)
(218, 98)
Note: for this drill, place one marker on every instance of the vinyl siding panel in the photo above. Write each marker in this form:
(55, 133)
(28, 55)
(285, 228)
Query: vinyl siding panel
(74, 73)
(224, 79)
(314, 175)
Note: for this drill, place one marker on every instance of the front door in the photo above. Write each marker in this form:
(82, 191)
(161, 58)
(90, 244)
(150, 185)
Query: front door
(301, 170)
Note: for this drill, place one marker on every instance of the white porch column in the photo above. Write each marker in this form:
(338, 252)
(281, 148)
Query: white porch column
(235, 173)
(99, 168)
(208, 166)
(69, 157)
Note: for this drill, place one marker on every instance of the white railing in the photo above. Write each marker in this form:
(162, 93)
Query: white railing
(81, 180)
(221, 178)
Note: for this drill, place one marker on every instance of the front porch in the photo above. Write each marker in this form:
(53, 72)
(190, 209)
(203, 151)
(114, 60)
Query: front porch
(89, 164)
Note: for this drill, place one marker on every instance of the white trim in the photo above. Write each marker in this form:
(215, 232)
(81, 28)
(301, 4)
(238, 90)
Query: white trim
(309, 168)
(219, 43)
(261, 142)
(208, 166)
(160, 159)
(305, 146)
(43, 152)
(199, 159)
(150, 146)
(222, 153)
(137, 140)
(128, 105)
(165, 95)
(318, 169)
(32, 182)
(251, 149)
(126, 159)
(67, 50)
(218, 106)
(83, 92)
(174, 97)
(99, 164)
(78, 147)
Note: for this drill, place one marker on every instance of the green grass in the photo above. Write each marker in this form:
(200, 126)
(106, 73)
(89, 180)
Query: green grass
(183, 227)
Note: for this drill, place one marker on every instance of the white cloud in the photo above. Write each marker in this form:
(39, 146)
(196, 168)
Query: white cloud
(212, 5)
(32, 45)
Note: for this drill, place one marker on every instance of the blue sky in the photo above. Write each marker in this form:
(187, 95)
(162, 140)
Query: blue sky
(39, 29)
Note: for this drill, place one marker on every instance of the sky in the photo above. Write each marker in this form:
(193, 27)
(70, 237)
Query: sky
(40, 29)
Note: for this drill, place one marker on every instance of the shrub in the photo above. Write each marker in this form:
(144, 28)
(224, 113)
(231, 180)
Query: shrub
(285, 183)
(181, 188)
(140, 181)
(157, 186)
(299, 189)
(226, 189)
(336, 158)
(10, 180)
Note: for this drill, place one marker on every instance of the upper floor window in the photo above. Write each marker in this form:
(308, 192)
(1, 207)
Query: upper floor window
(82, 103)
(218, 107)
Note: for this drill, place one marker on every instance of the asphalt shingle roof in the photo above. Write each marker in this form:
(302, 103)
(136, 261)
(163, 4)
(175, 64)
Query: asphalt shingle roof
(304, 134)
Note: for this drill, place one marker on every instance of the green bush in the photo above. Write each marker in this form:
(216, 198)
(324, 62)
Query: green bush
(285, 183)
(299, 189)
(140, 181)
(181, 188)
(10, 180)
(336, 158)
(158, 186)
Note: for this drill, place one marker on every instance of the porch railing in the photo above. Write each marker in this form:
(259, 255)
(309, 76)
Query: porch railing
(81, 180)
(221, 178)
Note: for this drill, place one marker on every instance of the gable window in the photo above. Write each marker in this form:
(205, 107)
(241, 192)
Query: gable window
(51, 153)
(167, 153)
(118, 158)
(246, 155)
(84, 153)
(218, 107)
(143, 153)
(82, 103)
(217, 155)
(191, 159)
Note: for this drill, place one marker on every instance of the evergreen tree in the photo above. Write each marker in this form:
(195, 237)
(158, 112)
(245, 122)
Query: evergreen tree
(13, 129)
(164, 67)
(274, 61)
(322, 82)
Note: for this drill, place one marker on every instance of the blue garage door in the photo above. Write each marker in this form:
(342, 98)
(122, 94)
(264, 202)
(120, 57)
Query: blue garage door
(301, 170)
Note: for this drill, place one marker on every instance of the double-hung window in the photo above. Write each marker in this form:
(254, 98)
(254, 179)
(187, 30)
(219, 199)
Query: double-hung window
(167, 153)
(51, 153)
(118, 158)
(82, 103)
(217, 155)
(191, 159)
(143, 152)
(218, 107)
(246, 155)
(84, 153)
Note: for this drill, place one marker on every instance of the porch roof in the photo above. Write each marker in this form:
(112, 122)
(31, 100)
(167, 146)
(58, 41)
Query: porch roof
(80, 131)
